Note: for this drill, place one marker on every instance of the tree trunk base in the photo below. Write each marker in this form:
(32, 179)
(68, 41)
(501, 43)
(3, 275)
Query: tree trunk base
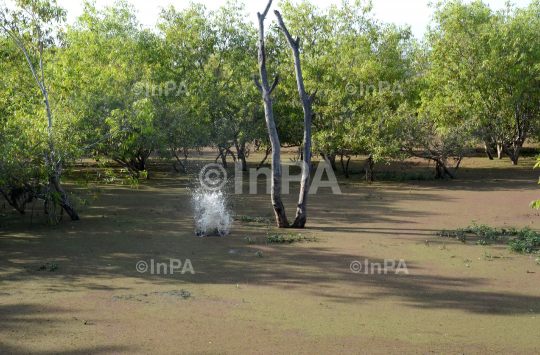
(488, 151)
(70, 211)
(299, 222)
(281, 218)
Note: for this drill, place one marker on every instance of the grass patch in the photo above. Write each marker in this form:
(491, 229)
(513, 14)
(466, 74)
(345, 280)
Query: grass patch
(281, 239)
(46, 266)
(248, 218)
(525, 241)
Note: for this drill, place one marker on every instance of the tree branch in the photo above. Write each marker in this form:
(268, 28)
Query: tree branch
(265, 10)
(257, 83)
(276, 80)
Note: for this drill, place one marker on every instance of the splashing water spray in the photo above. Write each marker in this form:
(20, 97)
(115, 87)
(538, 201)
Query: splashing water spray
(209, 203)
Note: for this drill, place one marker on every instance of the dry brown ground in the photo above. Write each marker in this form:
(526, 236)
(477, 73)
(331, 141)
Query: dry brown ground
(298, 298)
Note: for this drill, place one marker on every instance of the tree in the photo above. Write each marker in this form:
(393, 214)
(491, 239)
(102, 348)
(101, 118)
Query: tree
(32, 28)
(361, 68)
(484, 67)
(266, 91)
(213, 51)
(420, 137)
(107, 71)
(377, 132)
(307, 102)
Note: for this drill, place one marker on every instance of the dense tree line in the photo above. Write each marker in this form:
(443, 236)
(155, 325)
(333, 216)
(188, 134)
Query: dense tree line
(106, 90)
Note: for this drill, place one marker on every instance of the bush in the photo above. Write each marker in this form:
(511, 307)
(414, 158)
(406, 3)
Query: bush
(526, 241)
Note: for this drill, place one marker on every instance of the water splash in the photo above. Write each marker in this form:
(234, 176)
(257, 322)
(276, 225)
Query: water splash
(211, 214)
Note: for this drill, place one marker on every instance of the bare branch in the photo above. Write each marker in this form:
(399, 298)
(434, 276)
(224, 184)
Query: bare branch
(265, 10)
(312, 96)
(257, 83)
(284, 29)
(276, 80)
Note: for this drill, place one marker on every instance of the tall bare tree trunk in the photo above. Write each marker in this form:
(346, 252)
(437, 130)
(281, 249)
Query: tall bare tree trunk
(266, 92)
(307, 102)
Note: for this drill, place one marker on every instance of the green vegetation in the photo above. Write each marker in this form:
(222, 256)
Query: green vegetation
(281, 239)
(106, 96)
(525, 241)
(46, 266)
(248, 218)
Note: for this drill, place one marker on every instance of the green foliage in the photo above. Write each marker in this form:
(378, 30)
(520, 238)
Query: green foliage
(36, 143)
(248, 218)
(213, 51)
(348, 120)
(117, 93)
(47, 266)
(526, 240)
(107, 59)
(484, 71)
(422, 137)
(280, 239)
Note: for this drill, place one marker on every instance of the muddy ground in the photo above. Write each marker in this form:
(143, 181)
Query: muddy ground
(297, 298)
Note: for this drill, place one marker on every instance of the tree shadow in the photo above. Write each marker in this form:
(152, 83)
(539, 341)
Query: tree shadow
(39, 322)
(128, 226)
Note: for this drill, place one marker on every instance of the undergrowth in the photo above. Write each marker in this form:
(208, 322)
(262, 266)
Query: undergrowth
(523, 240)
(248, 218)
(281, 239)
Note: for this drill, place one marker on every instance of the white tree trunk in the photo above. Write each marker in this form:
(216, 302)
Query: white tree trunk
(266, 92)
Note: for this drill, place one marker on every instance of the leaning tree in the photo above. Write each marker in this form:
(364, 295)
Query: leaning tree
(32, 28)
